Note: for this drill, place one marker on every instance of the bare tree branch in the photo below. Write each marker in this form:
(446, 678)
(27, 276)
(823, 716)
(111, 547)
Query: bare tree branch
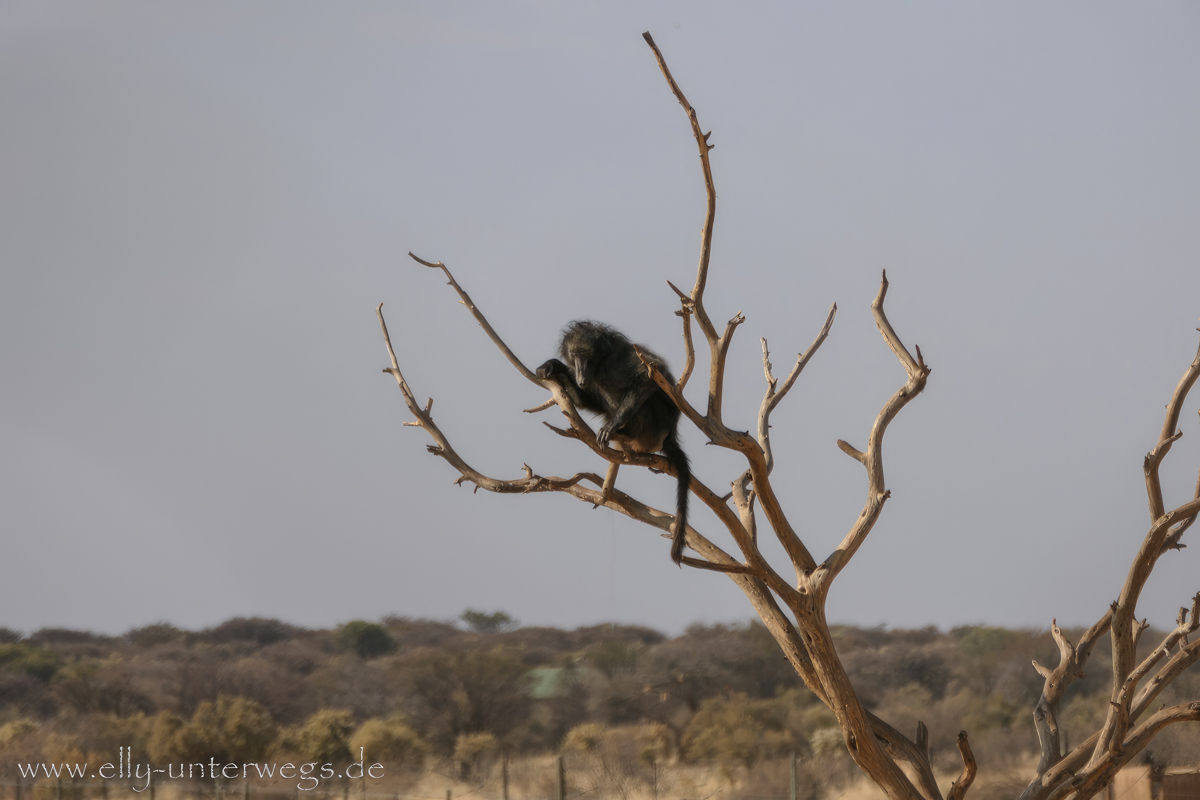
(711, 213)
(716, 391)
(1183, 627)
(958, 789)
(1071, 661)
(483, 323)
(549, 402)
(758, 467)
(773, 397)
(872, 459)
(685, 313)
(1173, 539)
(1168, 436)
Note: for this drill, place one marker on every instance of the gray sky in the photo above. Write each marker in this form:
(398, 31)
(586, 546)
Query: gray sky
(201, 205)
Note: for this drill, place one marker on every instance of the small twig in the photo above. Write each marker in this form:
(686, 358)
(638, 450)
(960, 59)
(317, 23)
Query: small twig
(689, 363)
(1170, 433)
(549, 402)
(851, 451)
(699, 563)
(774, 396)
(1173, 540)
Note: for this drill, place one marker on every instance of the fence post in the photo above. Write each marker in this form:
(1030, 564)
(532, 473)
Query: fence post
(560, 779)
(448, 794)
(245, 790)
(793, 792)
(150, 782)
(504, 774)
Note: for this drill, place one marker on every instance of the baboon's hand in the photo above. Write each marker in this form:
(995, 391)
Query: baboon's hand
(604, 434)
(551, 370)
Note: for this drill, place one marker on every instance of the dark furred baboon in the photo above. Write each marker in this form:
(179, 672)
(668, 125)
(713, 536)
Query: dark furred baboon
(603, 374)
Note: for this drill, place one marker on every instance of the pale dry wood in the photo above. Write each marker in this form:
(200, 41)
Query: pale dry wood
(958, 789)
(710, 213)
(1116, 724)
(718, 346)
(742, 442)
(1071, 661)
(808, 609)
(483, 323)
(743, 499)
(872, 459)
(1096, 777)
(716, 392)
(1074, 768)
(782, 629)
(689, 349)
(1087, 769)
(1173, 539)
(1169, 435)
(773, 396)
(1183, 627)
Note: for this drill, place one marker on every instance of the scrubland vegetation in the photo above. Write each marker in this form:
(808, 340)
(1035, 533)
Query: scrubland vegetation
(626, 706)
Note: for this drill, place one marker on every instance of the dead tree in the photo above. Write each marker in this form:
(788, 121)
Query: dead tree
(793, 606)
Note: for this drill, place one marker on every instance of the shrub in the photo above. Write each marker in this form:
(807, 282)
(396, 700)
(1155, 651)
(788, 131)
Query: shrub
(483, 622)
(324, 737)
(390, 741)
(472, 752)
(231, 729)
(30, 658)
(367, 639)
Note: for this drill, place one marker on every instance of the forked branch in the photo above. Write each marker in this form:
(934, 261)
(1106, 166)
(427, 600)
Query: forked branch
(774, 395)
(872, 458)
(710, 214)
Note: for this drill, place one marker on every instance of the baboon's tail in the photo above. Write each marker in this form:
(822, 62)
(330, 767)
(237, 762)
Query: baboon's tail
(683, 472)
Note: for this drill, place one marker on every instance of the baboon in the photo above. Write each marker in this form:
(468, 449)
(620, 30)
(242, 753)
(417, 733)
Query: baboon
(603, 374)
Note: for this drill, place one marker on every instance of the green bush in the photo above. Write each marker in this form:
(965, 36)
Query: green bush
(32, 659)
(367, 639)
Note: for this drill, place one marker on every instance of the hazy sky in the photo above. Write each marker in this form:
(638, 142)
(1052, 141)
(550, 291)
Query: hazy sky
(201, 204)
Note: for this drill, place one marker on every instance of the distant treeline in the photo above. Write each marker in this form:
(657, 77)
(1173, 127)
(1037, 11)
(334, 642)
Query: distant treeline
(459, 693)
